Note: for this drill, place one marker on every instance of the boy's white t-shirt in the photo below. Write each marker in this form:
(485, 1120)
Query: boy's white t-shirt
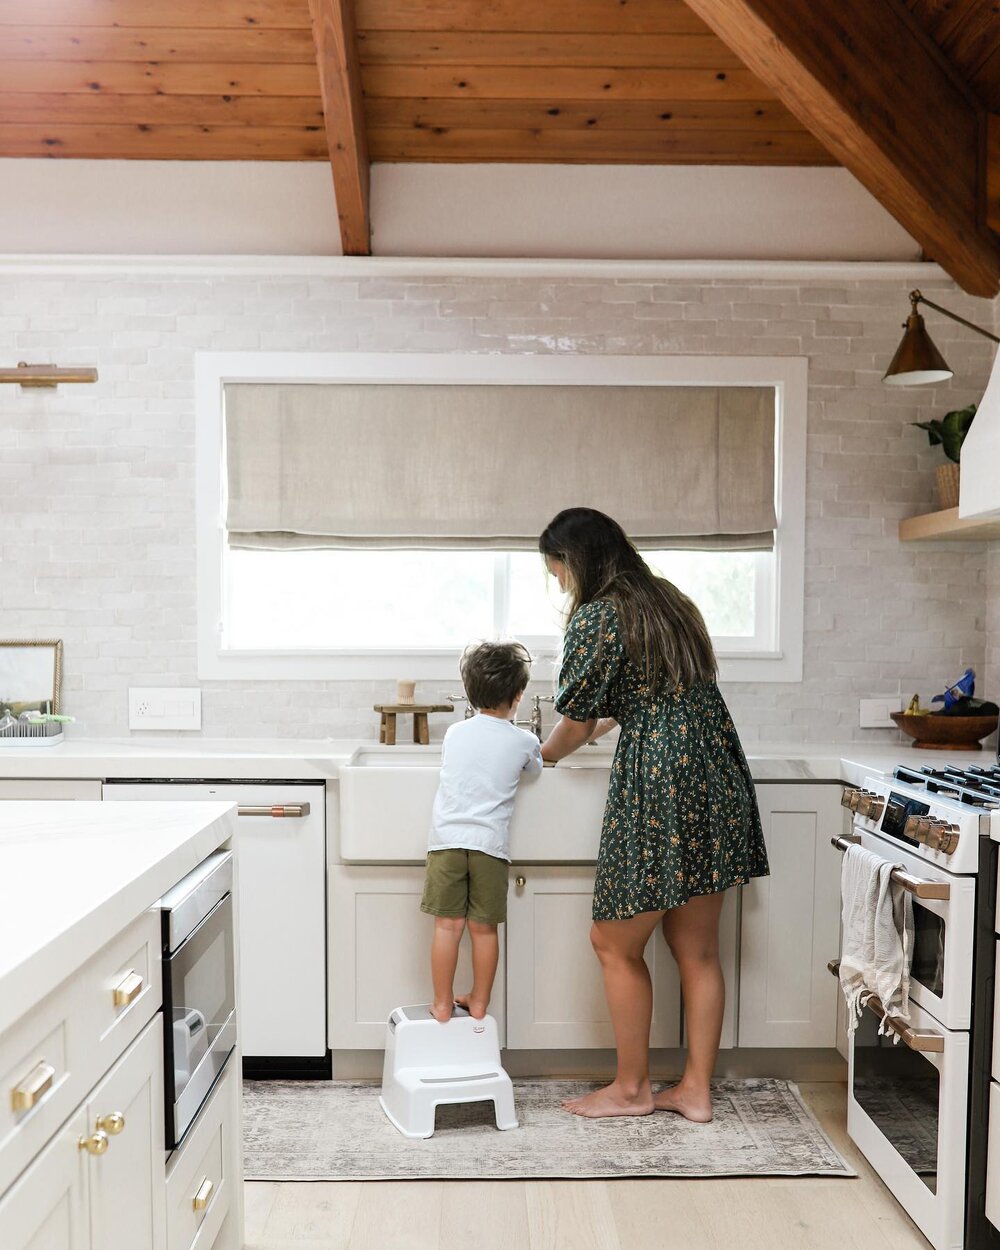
(482, 760)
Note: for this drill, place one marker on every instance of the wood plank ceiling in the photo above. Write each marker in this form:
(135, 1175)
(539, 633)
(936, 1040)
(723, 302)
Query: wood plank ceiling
(594, 81)
(564, 80)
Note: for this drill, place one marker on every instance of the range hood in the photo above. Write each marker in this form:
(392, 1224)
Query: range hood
(979, 490)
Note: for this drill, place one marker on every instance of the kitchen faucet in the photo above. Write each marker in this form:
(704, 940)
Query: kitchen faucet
(534, 721)
(470, 711)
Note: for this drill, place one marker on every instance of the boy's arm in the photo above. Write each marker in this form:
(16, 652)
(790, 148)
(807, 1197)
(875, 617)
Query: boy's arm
(533, 764)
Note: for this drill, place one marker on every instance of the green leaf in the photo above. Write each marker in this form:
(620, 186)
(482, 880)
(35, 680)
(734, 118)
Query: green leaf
(934, 430)
(954, 427)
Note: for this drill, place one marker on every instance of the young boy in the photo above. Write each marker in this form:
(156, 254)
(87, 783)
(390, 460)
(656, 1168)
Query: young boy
(482, 760)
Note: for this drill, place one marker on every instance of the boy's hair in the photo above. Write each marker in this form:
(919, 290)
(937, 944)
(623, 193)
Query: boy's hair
(494, 673)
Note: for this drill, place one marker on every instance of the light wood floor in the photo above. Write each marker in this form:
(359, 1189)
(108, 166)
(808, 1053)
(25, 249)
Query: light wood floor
(766, 1214)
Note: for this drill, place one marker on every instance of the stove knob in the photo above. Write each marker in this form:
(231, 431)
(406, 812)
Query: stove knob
(915, 827)
(877, 808)
(943, 837)
(849, 798)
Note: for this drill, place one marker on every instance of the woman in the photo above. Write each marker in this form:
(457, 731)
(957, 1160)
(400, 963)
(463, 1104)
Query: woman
(681, 824)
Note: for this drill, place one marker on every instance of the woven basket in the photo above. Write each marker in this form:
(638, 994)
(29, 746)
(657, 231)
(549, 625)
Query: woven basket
(947, 485)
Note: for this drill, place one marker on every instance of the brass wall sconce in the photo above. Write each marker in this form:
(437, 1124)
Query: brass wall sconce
(37, 376)
(917, 360)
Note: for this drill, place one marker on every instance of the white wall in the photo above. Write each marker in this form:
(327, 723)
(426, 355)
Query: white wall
(287, 208)
(96, 482)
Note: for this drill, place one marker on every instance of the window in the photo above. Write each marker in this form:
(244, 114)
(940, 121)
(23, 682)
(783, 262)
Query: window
(384, 613)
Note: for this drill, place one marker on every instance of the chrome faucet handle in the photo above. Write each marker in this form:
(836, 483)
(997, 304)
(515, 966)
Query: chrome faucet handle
(543, 698)
(470, 711)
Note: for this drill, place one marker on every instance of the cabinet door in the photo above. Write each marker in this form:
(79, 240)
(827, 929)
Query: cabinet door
(791, 921)
(126, 1183)
(555, 993)
(380, 953)
(46, 1209)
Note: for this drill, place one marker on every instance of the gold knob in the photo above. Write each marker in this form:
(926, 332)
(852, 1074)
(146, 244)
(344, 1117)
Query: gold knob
(200, 1201)
(520, 881)
(848, 797)
(111, 1124)
(96, 1144)
(128, 991)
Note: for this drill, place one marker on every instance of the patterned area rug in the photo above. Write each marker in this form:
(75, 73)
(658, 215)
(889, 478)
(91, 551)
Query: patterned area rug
(336, 1131)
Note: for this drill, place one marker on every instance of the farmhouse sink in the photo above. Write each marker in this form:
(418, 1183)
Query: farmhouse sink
(386, 796)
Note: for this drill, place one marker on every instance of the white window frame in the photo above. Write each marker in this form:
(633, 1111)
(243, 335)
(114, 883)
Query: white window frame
(214, 370)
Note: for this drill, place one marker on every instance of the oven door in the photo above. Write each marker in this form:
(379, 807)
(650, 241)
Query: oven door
(906, 1111)
(943, 936)
(199, 1010)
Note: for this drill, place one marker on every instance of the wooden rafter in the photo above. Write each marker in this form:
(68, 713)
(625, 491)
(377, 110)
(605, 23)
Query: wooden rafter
(993, 172)
(860, 75)
(343, 112)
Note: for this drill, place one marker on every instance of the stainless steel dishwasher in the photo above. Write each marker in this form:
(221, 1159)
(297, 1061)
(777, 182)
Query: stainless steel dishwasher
(280, 852)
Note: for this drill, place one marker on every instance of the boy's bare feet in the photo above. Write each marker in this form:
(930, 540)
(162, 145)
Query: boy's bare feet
(612, 1100)
(474, 1006)
(442, 1012)
(694, 1107)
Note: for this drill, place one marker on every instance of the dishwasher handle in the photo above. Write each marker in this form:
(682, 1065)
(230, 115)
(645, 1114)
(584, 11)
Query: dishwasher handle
(278, 810)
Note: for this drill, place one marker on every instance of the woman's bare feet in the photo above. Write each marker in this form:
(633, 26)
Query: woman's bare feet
(692, 1106)
(442, 1011)
(612, 1100)
(474, 1006)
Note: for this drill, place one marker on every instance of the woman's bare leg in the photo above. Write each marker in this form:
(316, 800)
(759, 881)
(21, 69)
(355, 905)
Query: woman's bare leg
(485, 957)
(692, 933)
(448, 932)
(619, 945)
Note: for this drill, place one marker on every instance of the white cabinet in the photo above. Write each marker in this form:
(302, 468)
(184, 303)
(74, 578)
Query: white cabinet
(72, 1199)
(791, 921)
(47, 788)
(380, 953)
(47, 1209)
(126, 1182)
(555, 993)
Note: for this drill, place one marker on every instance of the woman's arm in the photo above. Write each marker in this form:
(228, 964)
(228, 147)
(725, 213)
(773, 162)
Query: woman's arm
(565, 737)
(604, 726)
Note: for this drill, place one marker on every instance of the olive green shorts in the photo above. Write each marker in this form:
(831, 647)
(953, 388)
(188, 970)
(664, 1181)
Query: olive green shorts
(466, 883)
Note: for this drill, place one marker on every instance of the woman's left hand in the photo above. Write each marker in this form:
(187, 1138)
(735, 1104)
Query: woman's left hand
(566, 736)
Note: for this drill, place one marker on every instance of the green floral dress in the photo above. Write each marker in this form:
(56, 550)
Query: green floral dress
(681, 817)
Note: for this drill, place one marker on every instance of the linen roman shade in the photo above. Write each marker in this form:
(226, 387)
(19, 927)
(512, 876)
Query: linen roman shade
(372, 465)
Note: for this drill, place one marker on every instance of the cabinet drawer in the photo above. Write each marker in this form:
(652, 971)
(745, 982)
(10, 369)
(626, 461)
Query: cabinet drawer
(42, 1077)
(200, 1172)
(122, 988)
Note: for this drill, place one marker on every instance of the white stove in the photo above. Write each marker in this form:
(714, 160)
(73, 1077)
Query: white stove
(937, 814)
(919, 1090)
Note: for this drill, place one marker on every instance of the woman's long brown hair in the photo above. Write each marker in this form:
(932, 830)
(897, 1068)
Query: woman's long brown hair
(663, 632)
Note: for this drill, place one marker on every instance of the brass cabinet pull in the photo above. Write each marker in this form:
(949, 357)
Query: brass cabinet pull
(200, 1201)
(38, 1082)
(96, 1144)
(279, 810)
(520, 881)
(112, 1124)
(128, 990)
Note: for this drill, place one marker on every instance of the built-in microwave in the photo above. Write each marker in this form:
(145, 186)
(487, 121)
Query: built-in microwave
(199, 989)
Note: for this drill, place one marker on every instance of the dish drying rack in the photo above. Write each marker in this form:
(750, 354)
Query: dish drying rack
(25, 734)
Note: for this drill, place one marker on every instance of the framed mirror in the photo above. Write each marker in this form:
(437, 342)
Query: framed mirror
(31, 675)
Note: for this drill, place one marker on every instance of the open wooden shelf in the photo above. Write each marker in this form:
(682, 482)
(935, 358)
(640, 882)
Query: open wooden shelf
(946, 525)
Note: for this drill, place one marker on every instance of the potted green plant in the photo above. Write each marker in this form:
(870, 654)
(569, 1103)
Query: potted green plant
(949, 433)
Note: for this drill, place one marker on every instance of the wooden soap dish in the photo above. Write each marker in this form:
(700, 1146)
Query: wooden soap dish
(419, 711)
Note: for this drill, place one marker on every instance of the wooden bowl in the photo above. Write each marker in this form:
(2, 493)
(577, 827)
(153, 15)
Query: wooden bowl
(946, 733)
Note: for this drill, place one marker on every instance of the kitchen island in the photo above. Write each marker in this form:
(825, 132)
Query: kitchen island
(83, 1162)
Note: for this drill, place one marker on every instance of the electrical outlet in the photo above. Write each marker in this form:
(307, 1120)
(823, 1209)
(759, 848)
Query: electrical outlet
(875, 712)
(170, 707)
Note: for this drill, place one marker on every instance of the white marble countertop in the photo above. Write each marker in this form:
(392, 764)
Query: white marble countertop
(322, 758)
(73, 875)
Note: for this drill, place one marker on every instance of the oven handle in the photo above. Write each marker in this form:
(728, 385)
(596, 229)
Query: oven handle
(925, 1040)
(279, 809)
(916, 886)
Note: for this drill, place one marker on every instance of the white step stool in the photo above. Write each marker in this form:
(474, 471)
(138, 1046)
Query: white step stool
(429, 1064)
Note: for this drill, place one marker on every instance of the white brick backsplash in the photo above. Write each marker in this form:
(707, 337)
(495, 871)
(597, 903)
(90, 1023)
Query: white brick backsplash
(97, 482)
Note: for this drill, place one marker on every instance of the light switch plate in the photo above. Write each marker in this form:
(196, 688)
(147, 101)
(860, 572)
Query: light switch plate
(875, 712)
(164, 707)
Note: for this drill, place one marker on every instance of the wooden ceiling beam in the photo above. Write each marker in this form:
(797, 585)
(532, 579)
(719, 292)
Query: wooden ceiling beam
(343, 113)
(993, 172)
(865, 81)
